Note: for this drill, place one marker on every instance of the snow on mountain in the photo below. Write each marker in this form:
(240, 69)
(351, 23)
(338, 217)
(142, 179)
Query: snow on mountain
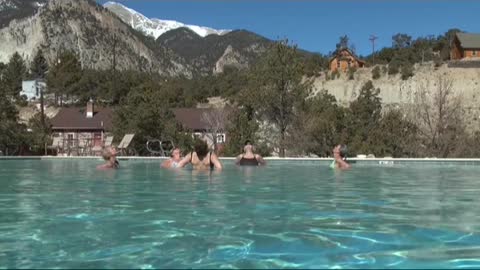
(155, 27)
(7, 4)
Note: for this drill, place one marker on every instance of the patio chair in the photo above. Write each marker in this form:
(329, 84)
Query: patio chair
(56, 144)
(108, 141)
(123, 145)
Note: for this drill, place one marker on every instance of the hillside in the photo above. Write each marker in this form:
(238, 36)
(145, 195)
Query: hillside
(18, 9)
(214, 52)
(98, 34)
(93, 32)
(397, 92)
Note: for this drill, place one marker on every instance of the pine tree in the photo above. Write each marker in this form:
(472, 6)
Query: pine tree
(64, 76)
(13, 75)
(278, 88)
(39, 66)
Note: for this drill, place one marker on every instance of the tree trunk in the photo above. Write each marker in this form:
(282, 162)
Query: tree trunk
(282, 144)
(42, 111)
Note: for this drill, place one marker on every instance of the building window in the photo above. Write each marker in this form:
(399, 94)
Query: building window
(220, 138)
(70, 139)
(474, 53)
(338, 63)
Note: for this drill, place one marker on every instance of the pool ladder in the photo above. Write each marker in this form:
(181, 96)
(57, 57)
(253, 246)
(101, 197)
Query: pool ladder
(163, 148)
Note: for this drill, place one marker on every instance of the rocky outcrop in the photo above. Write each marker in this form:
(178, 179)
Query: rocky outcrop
(402, 93)
(93, 32)
(230, 58)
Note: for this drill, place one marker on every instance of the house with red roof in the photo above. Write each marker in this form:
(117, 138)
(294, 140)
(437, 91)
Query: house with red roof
(208, 124)
(82, 127)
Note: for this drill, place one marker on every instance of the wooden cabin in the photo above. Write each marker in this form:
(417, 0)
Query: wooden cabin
(345, 59)
(465, 46)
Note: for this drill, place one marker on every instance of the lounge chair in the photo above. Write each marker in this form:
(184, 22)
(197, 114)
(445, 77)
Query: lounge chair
(108, 141)
(123, 145)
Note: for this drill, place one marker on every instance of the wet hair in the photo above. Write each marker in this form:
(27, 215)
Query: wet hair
(106, 154)
(343, 151)
(247, 142)
(173, 150)
(201, 148)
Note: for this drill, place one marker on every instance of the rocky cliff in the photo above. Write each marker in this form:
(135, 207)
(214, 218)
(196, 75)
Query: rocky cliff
(91, 31)
(402, 93)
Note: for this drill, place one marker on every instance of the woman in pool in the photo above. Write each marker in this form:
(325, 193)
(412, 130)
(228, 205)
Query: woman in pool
(174, 159)
(340, 157)
(249, 158)
(201, 158)
(109, 155)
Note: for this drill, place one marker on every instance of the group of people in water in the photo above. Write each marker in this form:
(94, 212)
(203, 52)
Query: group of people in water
(201, 158)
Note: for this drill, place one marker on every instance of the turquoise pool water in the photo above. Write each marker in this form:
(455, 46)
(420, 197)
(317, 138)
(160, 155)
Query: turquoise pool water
(65, 214)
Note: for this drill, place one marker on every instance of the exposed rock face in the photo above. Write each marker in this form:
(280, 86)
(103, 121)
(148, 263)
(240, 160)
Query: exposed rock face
(97, 35)
(91, 31)
(402, 93)
(230, 58)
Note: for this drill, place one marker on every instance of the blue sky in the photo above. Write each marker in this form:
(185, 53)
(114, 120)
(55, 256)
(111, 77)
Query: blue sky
(317, 25)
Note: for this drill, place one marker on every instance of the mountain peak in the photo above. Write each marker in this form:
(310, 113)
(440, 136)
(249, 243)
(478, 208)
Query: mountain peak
(155, 27)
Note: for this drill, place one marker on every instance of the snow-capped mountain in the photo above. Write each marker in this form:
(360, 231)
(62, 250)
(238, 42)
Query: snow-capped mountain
(155, 27)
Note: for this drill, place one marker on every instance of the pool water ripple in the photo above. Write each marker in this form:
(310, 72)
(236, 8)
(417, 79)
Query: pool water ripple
(65, 214)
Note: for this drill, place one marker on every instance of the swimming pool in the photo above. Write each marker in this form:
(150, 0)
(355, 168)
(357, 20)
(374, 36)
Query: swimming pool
(65, 214)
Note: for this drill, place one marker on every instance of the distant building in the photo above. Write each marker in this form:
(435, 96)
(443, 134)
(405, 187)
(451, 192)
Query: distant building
(465, 46)
(80, 127)
(32, 89)
(345, 59)
(206, 123)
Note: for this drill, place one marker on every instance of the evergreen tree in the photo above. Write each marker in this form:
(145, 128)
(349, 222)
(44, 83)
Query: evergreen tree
(343, 43)
(13, 75)
(400, 41)
(11, 132)
(240, 128)
(64, 75)
(39, 137)
(278, 88)
(39, 66)
(395, 136)
(363, 118)
(322, 125)
(146, 112)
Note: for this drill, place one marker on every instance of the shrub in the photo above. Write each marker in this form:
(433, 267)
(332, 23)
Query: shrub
(393, 67)
(407, 71)
(376, 73)
(335, 75)
(351, 72)
(384, 69)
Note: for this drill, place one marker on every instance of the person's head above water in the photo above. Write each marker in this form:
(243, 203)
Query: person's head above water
(201, 148)
(343, 150)
(248, 146)
(175, 153)
(108, 153)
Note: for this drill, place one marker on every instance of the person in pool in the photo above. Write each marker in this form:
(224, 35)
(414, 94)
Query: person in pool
(109, 154)
(201, 158)
(248, 158)
(340, 157)
(174, 159)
